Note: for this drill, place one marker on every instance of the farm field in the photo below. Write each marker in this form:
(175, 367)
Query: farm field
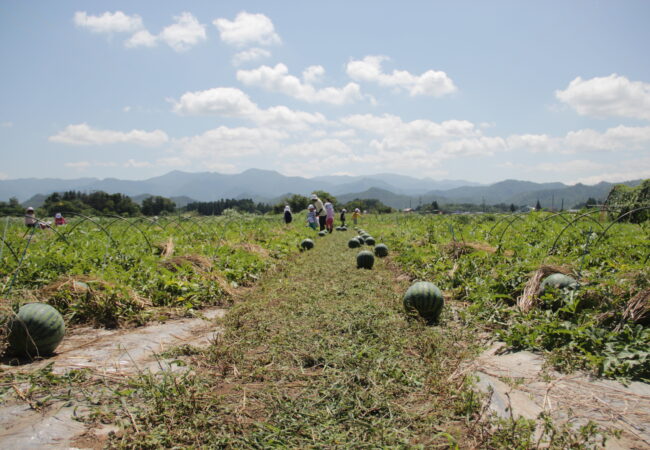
(315, 352)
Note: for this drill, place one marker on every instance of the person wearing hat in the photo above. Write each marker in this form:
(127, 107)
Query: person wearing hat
(287, 215)
(311, 217)
(343, 211)
(356, 215)
(30, 218)
(320, 211)
(59, 219)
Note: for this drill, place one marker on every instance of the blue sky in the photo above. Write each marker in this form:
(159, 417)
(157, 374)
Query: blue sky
(481, 91)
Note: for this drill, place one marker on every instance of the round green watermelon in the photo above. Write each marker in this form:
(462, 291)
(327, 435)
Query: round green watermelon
(381, 250)
(369, 240)
(307, 244)
(353, 243)
(559, 281)
(365, 260)
(424, 298)
(322, 233)
(36, 330)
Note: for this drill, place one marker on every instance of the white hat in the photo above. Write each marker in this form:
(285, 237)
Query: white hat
(58, 215)
(314, 197)
(286, 208)
(344, 210)
(357, 209)
(30, 209)
(311, 207)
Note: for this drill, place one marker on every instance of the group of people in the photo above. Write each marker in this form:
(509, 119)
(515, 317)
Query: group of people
(321, 215)
(32, 222)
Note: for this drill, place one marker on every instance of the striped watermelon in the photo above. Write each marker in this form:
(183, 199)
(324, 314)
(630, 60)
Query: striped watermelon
(369, 240)
(426, 299)
(381, 250)
(307, 244)
(354, 243)
(559, 281)
(365, 260)
(36, 330)
(322, 233)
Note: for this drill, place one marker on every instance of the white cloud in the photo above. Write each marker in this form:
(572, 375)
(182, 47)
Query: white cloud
(623, 171)
(224, 142)
(141, 39)
(79, 165)
(116, 22)
(247, 29)
(614, 95)
(397, 135)
(137, 164)
(250, 55)
(316, 149)
(433, 83)
(82, 134)
(277, 79)
(7, 124)
(482, 146)
(232, 102)
(313, 74)
(184, 34)
(617, 139)
(4, 176)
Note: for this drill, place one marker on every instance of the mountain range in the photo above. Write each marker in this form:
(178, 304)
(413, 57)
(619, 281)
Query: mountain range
(268, 186)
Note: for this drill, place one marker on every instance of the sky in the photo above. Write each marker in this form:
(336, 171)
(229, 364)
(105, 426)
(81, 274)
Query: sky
(473, 90)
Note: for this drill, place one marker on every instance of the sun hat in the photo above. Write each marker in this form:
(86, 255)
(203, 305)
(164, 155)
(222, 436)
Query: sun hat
(58, 215)
(30, 209)
(314, 197)
(311, 207)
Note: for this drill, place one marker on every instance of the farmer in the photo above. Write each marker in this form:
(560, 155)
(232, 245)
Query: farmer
(343, 211)
(30, 218)
(329, 215)
(320, 211)
(59, 219)
(356, 215)
(311, 217)
(287, 215)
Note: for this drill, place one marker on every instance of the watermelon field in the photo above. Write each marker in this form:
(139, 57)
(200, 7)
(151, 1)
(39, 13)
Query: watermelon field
(316, 349)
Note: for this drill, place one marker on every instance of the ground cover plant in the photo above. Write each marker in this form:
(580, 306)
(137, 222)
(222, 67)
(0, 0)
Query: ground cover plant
(111, 271)
(486, 261)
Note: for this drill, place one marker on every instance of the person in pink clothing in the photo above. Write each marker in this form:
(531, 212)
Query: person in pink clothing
(329, 217)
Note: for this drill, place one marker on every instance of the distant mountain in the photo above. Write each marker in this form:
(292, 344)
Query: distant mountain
(207, 186)
(268, 186)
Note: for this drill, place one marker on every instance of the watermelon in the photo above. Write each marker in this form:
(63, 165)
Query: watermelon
(365, 260)
(322, 233)
(344, 228)
(353, 243)
(558, 281)
(36, 330)
(307, 244)
(369, 240)
(381, 250)
(425, 299)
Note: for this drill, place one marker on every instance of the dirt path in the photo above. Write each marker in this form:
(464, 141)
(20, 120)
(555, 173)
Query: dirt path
(106, 354)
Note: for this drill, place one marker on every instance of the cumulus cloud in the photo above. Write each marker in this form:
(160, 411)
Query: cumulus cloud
(316, 149)
(232, 102)
(184, 34)
(224, 142)
(136, 164)
(247, 29)
(432, 83)
(141, 39)
(626, 170)
(6, 124)
(250, 55)
(573, 166)
(82, 134)
(109, 22)
(277, 79)
(395, 134)
(617, 139)
(614, 95)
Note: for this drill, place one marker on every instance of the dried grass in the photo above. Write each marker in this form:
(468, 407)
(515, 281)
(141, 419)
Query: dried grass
(457, 249)
(528, 299)
(199, 262)
(165, 249)
(637, 309)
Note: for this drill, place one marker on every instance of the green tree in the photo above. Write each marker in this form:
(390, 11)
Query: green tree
(513, 208)
(538, 206)
(157, 205)
(296, 202)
